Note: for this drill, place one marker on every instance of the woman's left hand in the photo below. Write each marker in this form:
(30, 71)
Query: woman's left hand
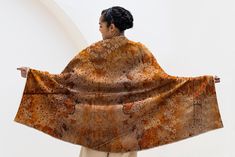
(217, 79)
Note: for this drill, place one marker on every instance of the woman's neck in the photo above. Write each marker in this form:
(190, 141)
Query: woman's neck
(118, 34)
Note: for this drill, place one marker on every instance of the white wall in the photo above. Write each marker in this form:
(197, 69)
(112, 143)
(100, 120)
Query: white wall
(30, 35)
(188, 38)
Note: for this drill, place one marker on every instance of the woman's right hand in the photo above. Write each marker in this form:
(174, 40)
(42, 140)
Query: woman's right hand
(24, 71)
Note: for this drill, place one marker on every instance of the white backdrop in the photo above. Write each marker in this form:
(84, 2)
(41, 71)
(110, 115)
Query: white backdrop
(188, 38)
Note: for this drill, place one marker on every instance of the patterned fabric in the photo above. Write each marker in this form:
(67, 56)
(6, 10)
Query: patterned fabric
(113, 96)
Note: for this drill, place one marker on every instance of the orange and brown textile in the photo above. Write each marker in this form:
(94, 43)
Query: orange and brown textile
(113, 96)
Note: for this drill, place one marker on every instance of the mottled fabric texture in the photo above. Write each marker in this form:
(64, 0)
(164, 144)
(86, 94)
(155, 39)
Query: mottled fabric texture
(113, 96)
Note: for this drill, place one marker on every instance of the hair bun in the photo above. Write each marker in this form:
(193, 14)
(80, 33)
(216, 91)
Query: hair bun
(119, 16)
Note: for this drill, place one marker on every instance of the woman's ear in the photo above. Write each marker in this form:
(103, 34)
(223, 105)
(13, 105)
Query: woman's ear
(112, 26)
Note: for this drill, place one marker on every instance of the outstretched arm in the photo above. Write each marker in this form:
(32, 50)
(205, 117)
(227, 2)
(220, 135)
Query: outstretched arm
(151, 58)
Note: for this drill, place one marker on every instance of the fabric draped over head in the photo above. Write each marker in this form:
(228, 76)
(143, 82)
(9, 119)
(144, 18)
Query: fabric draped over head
(113, 96)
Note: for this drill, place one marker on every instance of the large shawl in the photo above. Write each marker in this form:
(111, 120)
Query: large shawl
(113, 96)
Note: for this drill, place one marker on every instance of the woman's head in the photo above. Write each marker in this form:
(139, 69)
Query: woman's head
(114, 21)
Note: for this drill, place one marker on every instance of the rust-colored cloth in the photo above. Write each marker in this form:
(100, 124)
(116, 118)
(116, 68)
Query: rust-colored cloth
(113, 96)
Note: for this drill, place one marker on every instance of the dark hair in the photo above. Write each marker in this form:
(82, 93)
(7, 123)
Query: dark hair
(119, 16)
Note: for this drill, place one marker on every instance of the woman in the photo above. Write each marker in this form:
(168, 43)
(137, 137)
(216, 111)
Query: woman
(113, 22)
